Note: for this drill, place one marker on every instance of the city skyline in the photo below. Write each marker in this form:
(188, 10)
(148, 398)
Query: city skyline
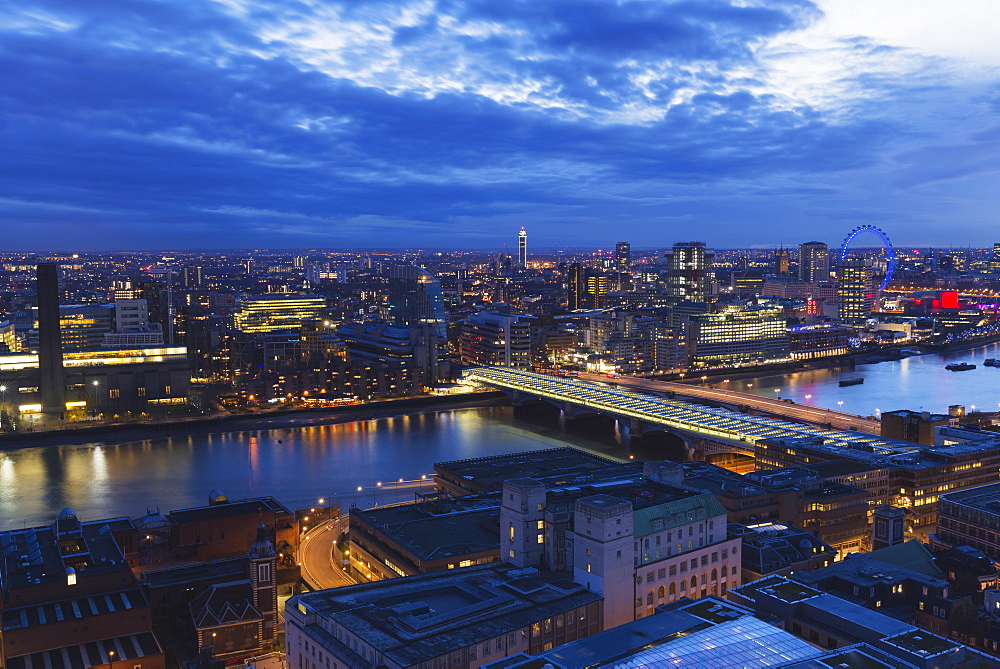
(453, 124)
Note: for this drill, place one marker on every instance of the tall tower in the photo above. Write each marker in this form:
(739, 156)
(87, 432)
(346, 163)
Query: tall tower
(50, 355)
(623, 256)
(522, 248)
(855, 288)
(522, 529)
(995, 260)
(263, 580)
(814, 262)
(576, 284)
(603, 554)
(689, 272)
(781, 262)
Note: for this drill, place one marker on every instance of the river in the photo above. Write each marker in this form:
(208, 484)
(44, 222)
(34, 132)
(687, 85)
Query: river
(918, 383)
(298, 466)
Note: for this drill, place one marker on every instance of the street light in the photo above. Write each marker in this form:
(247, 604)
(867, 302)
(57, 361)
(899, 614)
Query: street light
(776, 391)
(111, 658)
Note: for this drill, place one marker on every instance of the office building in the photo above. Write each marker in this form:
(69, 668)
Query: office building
(460, 618)
(414, 348)
(270, 313)
(995, 258)
(414, 298)
(69, 599)
(689, 272)
(855, 288)
(836, 513)
(586, 287)
(779, 548)
(109, 383)
(623, 257)
(970, 518)
(708, 633)
(492, 338)
(806, 342)
(828, 621)
(522, 248)
(915, 426)
(901, 474)
(738, 336)
(814, 262)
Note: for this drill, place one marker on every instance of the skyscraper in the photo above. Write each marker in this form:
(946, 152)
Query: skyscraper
(623, 256)
(522, 248)
(415, 298)
(995, 260)
(855, 288)
(586, 287)
(50, 355)
(689, 275)
(814, 262)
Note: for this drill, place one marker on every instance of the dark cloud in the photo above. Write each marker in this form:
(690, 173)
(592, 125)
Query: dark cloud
(177, 124)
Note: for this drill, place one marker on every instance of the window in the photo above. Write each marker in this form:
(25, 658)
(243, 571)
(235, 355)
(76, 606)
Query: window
(588, 551)
(264, 573)
(673, 570)
(649, 577)
(114, 393)
(661, 573)
(649, 598)
(619, 554)
(511, 533)
(541, 538)
(704, 560)
(141, 391)
(541, 524)
(694, 563)
(715, 556)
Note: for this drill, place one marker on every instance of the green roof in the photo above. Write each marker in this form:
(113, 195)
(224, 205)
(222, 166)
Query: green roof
(672, 514)
(911, 555)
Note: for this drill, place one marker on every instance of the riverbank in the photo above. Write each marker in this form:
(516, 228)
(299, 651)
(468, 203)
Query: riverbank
(271, 420)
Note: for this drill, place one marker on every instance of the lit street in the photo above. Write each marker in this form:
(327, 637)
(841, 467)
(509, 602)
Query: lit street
(316, 551)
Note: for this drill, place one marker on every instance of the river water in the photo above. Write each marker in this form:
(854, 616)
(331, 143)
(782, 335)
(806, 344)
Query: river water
(300, 465)
(918, 383)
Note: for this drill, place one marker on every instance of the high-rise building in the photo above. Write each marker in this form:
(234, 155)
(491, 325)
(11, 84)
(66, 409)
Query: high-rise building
(781, 258)
(586, 287)
(738, 335)
(50, 355)
(995, 260)
(855, 288)
(522, 248)
(491, 338)
(689, 275)
(623, 256)
(268, 313)
(415, 298)
(814, 262)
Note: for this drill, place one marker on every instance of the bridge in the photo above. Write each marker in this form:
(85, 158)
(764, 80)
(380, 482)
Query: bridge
(707, 430)
(747, 402)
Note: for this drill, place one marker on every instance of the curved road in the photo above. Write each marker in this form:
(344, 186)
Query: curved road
(316, 552)
(777, 407)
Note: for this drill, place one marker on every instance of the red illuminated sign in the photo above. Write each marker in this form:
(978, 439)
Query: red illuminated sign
(949, 299)
(811, 308)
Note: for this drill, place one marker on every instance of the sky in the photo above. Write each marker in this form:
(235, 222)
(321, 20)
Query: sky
(187, 124)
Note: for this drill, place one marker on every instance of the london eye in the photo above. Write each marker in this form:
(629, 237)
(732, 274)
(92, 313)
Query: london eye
(869, 242)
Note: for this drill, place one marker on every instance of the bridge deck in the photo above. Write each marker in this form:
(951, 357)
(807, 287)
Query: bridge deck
(707, 421)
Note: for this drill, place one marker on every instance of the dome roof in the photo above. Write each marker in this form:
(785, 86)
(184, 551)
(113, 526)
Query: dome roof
(67, 514)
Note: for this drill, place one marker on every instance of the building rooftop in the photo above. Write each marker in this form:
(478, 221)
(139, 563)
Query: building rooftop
(708, 633)
(72, 609)
(44, 554)
(440, 528)
(911, 555)
(864, 570)
(228, 509)
(217, 570)
(888, 453)
(553, 467)
(127, 650)
(984, 497)
(421, 617)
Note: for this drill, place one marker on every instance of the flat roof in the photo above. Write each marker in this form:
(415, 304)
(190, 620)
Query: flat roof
(456, 529)
(556, 466)
(984, 497)
(90, 654)
(227, 509)
(415, 619)
(217, 570)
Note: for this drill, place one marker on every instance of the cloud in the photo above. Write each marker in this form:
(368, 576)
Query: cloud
(303, 121)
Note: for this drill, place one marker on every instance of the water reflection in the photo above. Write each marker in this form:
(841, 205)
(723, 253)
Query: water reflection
(917, 383)
(296, 465)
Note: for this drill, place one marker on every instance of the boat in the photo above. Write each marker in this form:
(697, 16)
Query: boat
(959, 366)
(851, 382)
(991, 362)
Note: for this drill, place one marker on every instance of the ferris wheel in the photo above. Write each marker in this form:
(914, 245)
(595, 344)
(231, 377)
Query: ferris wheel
(867, 241)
